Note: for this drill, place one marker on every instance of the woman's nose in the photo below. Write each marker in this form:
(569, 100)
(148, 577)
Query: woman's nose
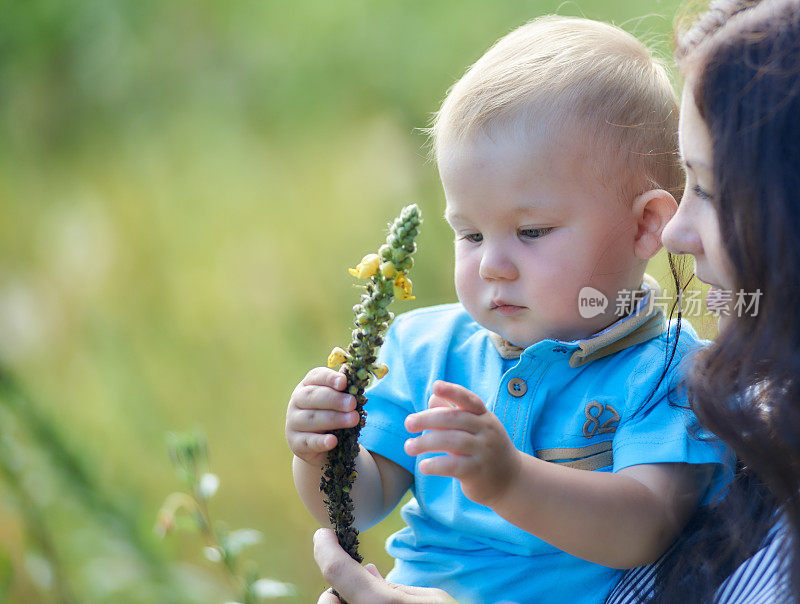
(496, 264)
(680, 235)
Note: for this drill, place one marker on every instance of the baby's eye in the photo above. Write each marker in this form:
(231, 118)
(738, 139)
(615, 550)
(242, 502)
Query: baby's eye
(473, 237)
(534, 233)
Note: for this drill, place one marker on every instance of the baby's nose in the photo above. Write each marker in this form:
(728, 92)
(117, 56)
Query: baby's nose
(497, 264)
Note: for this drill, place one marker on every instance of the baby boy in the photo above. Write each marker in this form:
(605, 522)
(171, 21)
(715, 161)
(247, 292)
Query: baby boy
(553, 447)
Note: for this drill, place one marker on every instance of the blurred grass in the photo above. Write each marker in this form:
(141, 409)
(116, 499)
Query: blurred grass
(182, 186)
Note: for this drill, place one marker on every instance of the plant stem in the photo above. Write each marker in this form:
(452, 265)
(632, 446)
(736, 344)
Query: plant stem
(372, 319)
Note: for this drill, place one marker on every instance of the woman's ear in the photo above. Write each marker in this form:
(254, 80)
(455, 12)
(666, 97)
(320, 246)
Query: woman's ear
(653, 210)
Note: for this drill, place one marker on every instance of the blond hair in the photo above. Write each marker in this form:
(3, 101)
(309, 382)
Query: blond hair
(556, 71)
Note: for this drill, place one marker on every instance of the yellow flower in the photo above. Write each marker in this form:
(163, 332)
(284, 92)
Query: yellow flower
(380, 370)
(402, 288)
(367, 267)
(336, 357)
(388, 270)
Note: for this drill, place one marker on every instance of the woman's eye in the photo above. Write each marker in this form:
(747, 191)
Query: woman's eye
(473, 237)
(535, 233)
(702, 193)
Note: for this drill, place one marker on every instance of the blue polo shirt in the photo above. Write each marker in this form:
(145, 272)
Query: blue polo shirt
(574, 403)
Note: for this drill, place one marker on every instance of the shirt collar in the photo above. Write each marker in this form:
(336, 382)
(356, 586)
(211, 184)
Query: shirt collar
(643, 323)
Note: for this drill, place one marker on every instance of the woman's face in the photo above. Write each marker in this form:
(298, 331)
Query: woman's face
(695, 227)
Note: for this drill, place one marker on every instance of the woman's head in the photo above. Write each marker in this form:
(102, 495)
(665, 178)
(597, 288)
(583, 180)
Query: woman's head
(741, 118)
(741, 63)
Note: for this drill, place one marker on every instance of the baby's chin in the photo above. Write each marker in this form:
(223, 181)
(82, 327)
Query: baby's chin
(523, 340)
(512, 337)
(519, 332)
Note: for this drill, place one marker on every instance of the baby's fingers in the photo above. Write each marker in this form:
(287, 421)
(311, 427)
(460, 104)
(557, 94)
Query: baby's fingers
(324, 376)
(436, 403)
(454, 466)
(304, 443)
(456, 442)
(322, 397)
(459, 396)
(443, 418)
(319, 420)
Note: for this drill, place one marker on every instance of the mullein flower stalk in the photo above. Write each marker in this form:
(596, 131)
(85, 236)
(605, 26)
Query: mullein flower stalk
(386, 272)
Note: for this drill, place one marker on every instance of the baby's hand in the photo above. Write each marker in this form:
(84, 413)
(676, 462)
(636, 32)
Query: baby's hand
(316, 407)
(481, 455)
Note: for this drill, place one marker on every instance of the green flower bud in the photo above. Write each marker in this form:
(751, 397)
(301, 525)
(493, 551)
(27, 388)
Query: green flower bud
(388, 270)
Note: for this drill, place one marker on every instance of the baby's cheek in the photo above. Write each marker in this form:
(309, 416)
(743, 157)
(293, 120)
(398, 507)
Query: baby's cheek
(467, 278)
(581, 268)
(559, 289)
(561, 278)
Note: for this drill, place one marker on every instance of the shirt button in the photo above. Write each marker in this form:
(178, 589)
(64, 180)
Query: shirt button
(517, 387)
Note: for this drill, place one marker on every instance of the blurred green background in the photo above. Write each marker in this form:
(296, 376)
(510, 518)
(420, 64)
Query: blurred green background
(183, 185)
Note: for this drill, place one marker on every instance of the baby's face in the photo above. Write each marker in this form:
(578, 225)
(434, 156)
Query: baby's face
(533, 226)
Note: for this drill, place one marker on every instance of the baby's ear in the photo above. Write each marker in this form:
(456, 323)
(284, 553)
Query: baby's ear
(653, 210)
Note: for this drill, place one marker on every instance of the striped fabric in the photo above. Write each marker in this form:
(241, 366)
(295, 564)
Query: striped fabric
(761, 579)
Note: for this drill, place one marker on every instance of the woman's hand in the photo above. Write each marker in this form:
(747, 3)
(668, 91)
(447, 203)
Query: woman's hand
(363, 584)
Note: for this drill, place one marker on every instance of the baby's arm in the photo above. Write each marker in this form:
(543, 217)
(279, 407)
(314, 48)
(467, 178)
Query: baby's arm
(316, 407)
(620, 520)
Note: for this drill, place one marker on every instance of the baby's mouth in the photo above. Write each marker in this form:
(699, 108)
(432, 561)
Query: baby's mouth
(505, 308)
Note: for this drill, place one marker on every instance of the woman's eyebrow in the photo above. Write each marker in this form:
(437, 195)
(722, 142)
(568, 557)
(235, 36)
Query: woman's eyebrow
(691, 165)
